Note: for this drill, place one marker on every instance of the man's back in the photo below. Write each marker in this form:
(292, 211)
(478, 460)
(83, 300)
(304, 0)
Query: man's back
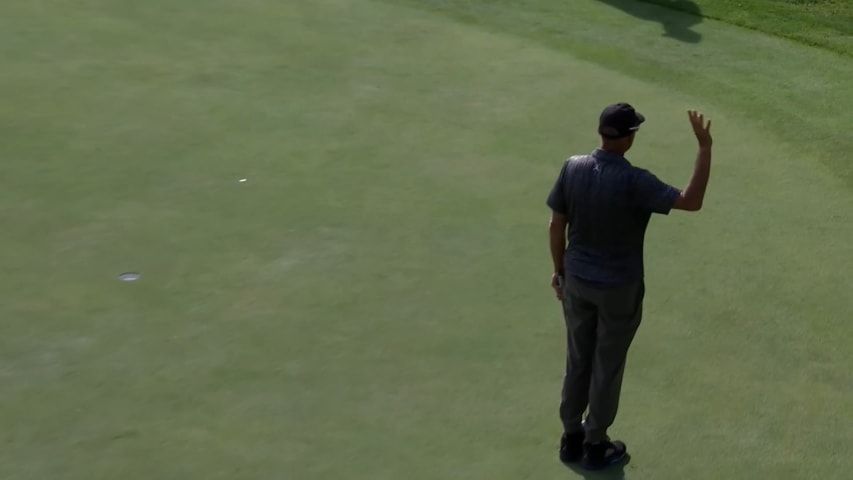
(607, 203)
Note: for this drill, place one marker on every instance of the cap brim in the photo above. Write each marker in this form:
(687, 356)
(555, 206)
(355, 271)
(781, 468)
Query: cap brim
(640, 120)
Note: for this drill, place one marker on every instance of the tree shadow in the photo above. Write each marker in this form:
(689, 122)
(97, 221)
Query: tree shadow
(615, 472)
(676, 16)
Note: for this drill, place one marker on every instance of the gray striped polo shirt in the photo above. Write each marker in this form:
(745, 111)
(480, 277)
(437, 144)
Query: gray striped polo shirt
(607, 203)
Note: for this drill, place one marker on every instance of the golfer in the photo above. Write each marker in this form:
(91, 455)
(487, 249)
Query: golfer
(605, 203)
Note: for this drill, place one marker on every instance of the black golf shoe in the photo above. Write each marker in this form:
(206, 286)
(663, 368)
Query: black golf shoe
(603, 454)
(571, 447)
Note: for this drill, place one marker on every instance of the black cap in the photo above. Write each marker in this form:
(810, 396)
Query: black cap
(619, 120)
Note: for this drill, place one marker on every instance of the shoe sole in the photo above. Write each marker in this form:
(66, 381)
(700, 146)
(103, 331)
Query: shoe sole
(612, 461)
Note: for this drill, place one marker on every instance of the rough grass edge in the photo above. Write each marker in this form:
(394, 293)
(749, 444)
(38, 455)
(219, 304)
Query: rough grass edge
(746, 25)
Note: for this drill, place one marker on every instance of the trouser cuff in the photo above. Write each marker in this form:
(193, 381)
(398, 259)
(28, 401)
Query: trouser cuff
(597, 435)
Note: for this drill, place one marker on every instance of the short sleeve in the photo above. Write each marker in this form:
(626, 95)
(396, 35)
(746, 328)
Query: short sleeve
(653, 194)
(557, 196)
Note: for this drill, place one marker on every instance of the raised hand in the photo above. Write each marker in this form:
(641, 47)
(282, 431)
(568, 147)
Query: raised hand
(701, 129)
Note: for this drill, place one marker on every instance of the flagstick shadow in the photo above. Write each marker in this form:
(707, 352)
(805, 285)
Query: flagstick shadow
(677, 17)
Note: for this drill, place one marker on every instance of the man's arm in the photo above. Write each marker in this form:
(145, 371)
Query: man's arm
(557, 227)
(557, 234)
(691, 198)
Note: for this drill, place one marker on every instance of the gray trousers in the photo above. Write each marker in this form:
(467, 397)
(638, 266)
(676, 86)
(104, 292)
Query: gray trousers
(600, 326)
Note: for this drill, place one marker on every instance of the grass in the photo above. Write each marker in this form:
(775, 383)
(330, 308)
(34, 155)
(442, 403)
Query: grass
(802, 95)
(824, 23)
(373, 303)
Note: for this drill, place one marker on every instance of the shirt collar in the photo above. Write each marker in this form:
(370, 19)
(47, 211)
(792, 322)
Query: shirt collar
(602, 154)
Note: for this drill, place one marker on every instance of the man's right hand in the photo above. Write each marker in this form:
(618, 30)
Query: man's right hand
(701, 129)
(691, 198)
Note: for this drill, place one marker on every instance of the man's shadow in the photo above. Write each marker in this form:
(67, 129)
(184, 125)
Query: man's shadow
(615, 472)
(676, 16)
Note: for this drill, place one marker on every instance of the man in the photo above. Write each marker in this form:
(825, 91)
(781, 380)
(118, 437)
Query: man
(606, 203)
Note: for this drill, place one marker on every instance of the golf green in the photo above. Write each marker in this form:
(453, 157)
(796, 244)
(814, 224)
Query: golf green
(372, 302)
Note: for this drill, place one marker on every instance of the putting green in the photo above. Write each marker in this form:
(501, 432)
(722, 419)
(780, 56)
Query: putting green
(373, 301)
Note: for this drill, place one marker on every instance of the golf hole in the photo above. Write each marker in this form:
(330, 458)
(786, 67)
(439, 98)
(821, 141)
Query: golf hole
(129, 276)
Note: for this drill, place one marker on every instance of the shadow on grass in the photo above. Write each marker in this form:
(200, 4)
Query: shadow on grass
(676, 16)
(616, 472)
